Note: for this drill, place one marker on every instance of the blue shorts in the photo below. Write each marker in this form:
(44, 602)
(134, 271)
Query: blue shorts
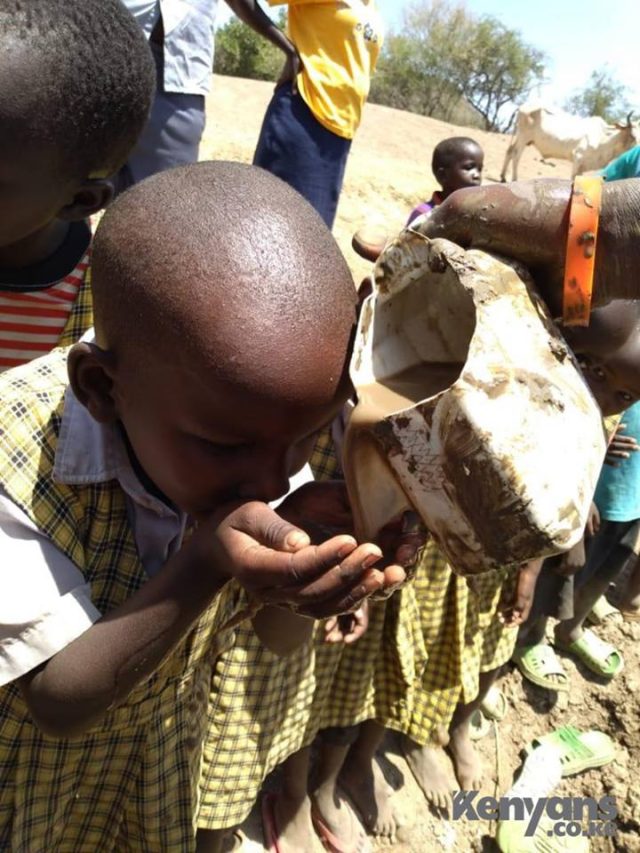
(294, 146)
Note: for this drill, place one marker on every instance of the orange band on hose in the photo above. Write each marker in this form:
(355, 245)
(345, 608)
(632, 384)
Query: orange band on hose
(584, 215)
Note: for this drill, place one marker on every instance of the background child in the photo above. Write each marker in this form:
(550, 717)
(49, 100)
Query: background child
(457, 162)
(76, 83)
(615, 543)
(176, 409)
(614, 381)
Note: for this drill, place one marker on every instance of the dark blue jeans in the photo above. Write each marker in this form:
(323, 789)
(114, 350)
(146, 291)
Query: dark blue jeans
(294, 146)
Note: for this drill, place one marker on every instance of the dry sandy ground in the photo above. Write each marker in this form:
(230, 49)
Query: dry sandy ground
(388, 173)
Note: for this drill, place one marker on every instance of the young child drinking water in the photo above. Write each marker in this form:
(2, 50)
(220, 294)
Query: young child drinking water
(457, 162)
(186, 404)
(76, 83)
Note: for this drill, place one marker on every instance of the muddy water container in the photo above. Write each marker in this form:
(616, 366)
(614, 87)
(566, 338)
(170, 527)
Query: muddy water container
(471, 409)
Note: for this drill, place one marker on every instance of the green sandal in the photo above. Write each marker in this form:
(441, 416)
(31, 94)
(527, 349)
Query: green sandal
(578, 751)
(602, 611)
(479, 725)
(511, 838)
(601, 658)
(537, 663)
(494, 705)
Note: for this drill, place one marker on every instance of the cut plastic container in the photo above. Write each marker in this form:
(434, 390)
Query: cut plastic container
(471, 409)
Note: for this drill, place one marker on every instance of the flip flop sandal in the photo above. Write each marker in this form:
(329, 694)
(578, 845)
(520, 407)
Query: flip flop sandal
(494, 705)
(578, 751)
(330, 841)
(601, 658)
(537, 663)
(479, 725)
(269, 826)
(602, 611)
(511, 838)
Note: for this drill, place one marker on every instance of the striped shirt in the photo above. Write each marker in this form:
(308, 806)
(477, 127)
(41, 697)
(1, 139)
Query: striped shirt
(31, 321)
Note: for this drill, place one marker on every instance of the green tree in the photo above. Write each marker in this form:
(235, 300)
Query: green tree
(447, 63)
(241, 52)
(499, 70)
(417, 71)
(603, 96)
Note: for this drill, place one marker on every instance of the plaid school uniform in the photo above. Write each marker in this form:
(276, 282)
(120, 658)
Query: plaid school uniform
(425, 647)
(130, 783)
(80, 319)
(264, 708)
(462, 637)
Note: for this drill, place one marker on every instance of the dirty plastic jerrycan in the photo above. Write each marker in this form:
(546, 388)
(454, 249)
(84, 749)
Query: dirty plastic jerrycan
(471, 409)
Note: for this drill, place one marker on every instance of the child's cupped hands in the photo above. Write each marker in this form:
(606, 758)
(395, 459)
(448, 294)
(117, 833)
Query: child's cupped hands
(322, 509)
(276, 562)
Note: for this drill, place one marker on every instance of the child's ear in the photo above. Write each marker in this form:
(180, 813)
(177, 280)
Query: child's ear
(90, 197)
(440, 175)
(91, 373)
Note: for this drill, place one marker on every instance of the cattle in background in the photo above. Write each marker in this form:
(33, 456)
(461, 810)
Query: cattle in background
(590, 143)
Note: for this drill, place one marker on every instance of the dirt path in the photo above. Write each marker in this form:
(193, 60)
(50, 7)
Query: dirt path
(388, 173)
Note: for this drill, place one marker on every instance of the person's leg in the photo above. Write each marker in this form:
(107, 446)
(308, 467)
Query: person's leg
(466, 760)
(534, 657)
(606, 558)
(363, 780)
(215, 841)
(334, 812)
(426, 764)
(630, 602)
(294, 146)
(532, 631)
(292, 807)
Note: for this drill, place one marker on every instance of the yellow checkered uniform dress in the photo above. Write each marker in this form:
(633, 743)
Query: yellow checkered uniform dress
(424, 649)
(262, 707)
(81, 316)
(131, 783)
(461, 636)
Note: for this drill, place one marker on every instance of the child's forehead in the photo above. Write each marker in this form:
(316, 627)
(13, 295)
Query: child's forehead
(467, 149)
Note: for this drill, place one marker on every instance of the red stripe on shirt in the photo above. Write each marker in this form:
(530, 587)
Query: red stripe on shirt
(20, 312)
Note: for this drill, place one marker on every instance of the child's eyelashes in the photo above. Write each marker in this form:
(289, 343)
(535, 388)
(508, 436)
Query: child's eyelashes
(217, 448)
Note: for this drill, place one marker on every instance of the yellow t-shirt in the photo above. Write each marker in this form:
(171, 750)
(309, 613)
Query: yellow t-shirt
(339, 43)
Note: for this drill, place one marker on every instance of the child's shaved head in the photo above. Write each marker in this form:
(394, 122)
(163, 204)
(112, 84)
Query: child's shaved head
(457, 163)
(221, 264)
(450, 150)
(224, 315)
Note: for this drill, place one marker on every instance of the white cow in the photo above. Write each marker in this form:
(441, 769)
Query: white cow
(590, 143)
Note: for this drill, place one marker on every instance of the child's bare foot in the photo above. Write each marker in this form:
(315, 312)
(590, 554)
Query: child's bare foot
(425, 763)
(291, 825)
(371, 795)
(466, 760)
(335, 817)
